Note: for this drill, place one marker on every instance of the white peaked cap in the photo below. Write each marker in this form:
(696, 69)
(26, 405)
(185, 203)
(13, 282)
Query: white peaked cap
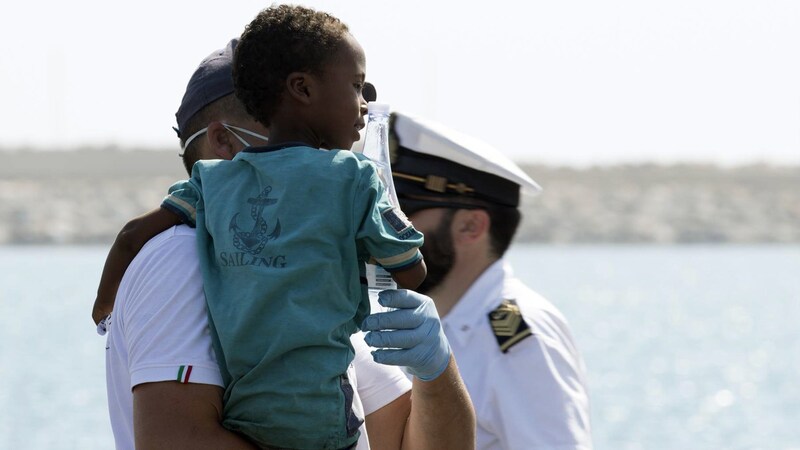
(432, 138)
(435, 166)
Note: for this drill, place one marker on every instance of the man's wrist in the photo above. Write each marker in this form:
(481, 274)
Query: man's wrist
(430, 376)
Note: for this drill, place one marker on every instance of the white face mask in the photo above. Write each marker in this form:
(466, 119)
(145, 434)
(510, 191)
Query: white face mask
(229, 128)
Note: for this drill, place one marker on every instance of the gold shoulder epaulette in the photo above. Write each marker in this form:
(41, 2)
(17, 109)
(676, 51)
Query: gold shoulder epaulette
(508, 326)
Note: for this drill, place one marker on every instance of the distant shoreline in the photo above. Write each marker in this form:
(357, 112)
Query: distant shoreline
(151, 161)
(85, 196)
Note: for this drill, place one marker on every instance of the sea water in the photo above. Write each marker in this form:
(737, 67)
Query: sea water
(687, 347)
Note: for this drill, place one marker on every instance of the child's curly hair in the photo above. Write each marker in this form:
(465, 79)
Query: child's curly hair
(280, 40)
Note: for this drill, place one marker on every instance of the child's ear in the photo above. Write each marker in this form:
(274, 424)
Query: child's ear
(298, 85)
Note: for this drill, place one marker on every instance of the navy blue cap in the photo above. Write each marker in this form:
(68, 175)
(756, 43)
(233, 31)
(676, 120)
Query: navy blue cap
(212, 80)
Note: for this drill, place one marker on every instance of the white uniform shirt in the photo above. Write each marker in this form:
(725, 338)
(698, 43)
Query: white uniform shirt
(159, 332)
(534, 396)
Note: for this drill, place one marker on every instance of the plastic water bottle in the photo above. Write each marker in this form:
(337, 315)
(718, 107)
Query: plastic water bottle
(376, 147)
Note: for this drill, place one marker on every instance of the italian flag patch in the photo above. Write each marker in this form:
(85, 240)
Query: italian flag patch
(184, 372)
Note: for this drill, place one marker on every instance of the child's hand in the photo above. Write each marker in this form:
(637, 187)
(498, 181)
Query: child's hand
(102, 326)
(100, 310)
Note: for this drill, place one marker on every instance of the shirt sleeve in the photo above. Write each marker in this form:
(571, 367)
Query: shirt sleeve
(550, 394)
(377, 384)
(384, 230)
(166, 325)
(183, 199)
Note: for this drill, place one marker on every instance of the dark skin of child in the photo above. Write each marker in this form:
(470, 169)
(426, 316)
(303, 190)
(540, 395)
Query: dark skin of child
(320, 111)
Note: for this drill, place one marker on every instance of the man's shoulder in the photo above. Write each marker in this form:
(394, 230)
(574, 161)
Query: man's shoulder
(172, 252)
(524, 313)
(532, 305)
(168, 240)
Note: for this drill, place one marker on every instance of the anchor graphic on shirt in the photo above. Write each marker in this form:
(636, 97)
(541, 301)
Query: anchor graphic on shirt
(253, 241)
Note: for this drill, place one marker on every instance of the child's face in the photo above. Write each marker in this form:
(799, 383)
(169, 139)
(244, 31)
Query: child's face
(341, 107)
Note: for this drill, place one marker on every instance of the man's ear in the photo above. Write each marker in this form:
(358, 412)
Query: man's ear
(299, 86)
(471, 225)
(220, 142)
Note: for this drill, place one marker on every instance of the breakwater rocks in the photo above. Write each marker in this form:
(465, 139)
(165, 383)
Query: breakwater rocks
(76, 197)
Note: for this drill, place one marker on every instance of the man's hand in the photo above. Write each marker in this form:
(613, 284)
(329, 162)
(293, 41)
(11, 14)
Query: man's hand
(410, 336)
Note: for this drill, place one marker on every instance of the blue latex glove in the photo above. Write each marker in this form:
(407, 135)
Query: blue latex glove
(410, 336)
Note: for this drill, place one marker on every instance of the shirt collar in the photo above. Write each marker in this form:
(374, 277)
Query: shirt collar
(273, 147)
(482, 297)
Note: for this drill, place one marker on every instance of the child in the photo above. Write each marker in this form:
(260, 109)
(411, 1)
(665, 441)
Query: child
(284, 231)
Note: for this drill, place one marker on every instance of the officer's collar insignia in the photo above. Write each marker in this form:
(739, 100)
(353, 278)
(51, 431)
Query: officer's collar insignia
(508, 326)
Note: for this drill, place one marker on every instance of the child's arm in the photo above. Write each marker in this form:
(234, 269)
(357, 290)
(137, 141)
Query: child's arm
(129, 241)
(411, 277)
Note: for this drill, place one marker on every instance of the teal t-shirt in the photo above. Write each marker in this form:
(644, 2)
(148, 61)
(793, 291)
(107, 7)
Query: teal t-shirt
(283, 233)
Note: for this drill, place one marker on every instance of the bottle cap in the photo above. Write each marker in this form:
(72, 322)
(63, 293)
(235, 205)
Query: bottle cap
(369, 92)
(378, 108)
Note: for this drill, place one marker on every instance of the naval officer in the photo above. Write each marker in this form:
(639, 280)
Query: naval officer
(514, 348)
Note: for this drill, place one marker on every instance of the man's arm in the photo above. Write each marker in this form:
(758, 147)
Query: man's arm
(540, 381)
(436, 414)
(441, 414)
(387, 425)
(172, 416)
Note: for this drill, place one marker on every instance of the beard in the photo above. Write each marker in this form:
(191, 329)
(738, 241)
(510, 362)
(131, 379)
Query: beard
(438, 253)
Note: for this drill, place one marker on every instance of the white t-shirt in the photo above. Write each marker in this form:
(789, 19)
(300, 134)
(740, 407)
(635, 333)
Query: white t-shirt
(534, 395)
(159, 332)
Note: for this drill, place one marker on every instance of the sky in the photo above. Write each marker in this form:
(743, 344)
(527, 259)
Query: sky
(557, 82)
